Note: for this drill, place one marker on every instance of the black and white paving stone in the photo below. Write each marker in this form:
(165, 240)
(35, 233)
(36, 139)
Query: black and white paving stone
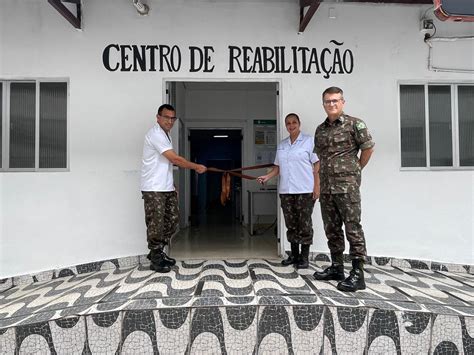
(238, 307)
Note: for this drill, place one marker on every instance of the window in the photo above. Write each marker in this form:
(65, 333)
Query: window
(437, 125)
(33, 133)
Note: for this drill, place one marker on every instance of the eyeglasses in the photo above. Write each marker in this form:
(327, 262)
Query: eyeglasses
(331, 102)
(169, 118)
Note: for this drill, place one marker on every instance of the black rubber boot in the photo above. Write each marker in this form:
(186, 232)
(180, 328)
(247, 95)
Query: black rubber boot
(294, 257)
(355, 281)
(158, 263)
(333, 272)
(303, 263)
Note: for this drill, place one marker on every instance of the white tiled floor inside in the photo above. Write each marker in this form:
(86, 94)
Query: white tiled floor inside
(225, 239)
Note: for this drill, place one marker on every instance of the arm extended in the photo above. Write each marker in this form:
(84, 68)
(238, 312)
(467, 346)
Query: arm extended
(264, 178)
(182, 162)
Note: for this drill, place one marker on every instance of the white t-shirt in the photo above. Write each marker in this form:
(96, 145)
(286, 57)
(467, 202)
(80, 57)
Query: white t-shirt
(157, 171)
(296, 165)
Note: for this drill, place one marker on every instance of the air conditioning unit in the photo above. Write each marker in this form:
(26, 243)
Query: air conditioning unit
(454, 10)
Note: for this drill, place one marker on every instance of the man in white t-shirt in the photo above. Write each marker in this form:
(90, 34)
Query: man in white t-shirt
(158, 190)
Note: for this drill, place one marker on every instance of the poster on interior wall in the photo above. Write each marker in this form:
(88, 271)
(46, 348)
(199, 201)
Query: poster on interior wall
(264, 141)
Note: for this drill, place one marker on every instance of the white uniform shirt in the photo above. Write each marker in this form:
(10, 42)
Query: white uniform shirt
(157, 171)
(296, 165)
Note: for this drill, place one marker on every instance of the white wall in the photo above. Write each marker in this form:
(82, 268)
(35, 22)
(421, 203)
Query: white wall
(94, 211)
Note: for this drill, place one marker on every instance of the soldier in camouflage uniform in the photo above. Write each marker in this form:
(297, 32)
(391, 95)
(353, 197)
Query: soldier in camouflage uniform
(158, 190)
(337, 142)
(298, 186)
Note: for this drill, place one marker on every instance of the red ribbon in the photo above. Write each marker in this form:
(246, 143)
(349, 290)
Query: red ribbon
(226, 178)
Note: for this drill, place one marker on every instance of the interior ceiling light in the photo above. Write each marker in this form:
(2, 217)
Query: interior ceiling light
(221, 136)
(142, 8)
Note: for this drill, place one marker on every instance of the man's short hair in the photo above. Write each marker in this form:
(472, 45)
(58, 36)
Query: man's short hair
(165, 107)
(333, 90)
(292, 114)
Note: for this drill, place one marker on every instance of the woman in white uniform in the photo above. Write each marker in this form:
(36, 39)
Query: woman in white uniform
(298, 186)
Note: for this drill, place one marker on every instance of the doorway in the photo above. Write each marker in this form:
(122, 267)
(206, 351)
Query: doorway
(216, 128)
(221, 149)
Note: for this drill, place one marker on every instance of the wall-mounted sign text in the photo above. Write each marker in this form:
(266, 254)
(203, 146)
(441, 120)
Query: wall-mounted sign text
(333, 59)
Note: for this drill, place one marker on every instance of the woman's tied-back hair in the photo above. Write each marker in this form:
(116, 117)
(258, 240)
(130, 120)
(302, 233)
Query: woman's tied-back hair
(292, 114)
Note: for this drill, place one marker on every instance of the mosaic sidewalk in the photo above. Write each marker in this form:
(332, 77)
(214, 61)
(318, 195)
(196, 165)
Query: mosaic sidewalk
(238, 307)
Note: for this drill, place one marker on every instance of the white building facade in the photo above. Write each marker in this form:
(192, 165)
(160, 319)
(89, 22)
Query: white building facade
(115, 73)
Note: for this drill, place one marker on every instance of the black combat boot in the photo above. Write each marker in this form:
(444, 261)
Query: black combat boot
(294, 257)
(170, 261)
(355, 281)
(158, 262)
(333, 272)
(303, 263)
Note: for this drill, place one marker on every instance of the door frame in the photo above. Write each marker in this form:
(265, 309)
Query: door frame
(169, 96)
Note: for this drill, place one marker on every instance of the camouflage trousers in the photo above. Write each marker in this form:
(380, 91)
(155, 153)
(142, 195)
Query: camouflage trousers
(337, 209)
(297, 210)
(161, 217)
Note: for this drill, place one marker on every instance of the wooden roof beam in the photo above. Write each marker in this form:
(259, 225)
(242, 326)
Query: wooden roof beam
(74, 20)
(305, 18)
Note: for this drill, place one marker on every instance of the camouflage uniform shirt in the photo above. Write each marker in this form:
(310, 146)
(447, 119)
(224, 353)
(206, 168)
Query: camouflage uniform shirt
(337, 145)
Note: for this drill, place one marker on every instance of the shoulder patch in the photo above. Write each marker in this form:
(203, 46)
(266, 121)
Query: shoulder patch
(360, 125)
